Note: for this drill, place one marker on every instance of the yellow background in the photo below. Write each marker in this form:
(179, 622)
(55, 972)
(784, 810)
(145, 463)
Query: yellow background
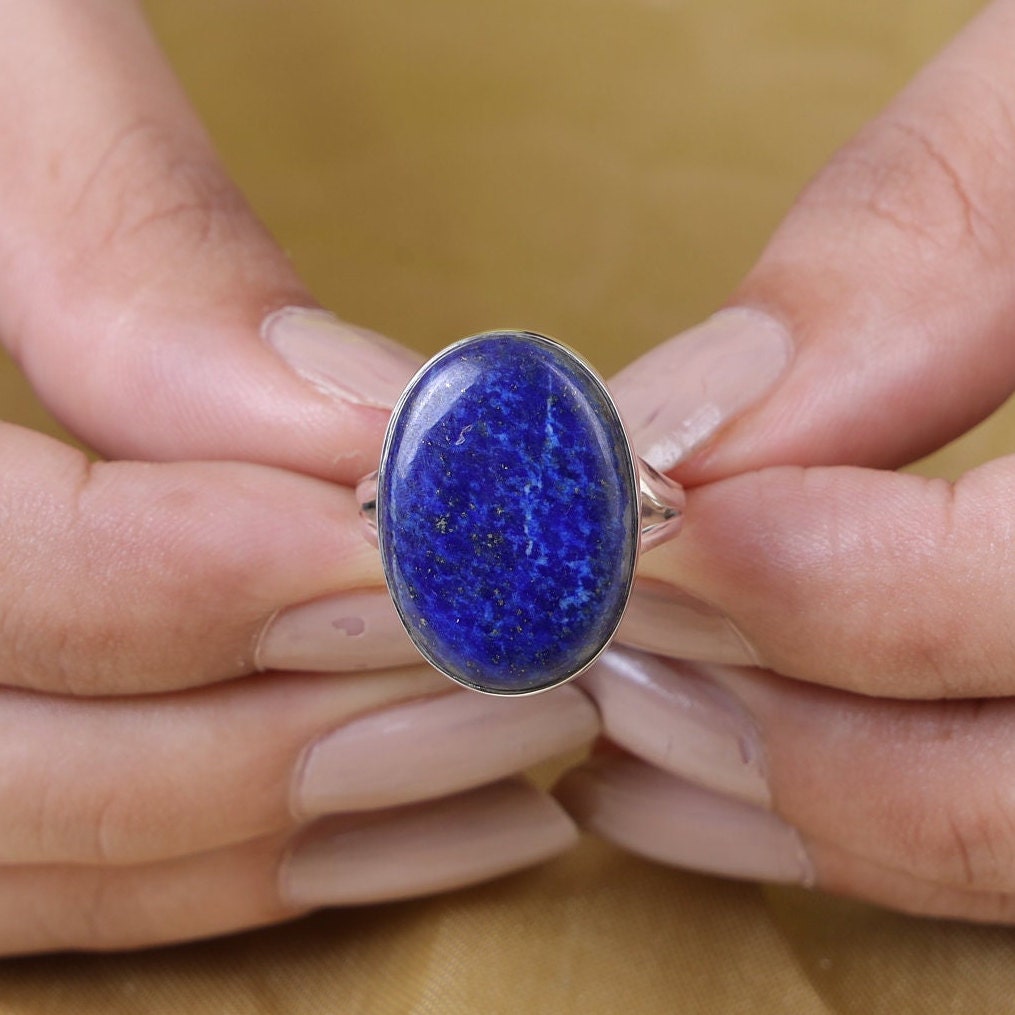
(604, 171)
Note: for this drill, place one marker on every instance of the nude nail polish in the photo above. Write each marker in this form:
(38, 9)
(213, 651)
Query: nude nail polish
(424, 848)
(438, 745)
(677, 397)
(665, 620)
(671, 714)
(665, 818)
(343, 361)
(339, 634)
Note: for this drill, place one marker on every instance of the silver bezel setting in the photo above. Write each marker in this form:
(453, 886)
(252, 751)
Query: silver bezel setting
(657, 502)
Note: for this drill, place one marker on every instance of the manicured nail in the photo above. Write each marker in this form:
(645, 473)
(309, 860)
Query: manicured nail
(678, 396)
(340, 634)
(438, 745)
(664, 818)
(425, 848)
(674, 716)
(345, 362)
(661, 618)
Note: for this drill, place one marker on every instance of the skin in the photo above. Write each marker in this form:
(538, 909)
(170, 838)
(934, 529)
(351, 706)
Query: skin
(125, 250)
(150, 779)
(877, 604)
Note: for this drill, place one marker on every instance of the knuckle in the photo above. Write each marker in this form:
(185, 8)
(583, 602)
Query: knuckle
(948, 827)
(95, 915)
(923, 193)
(108, 827)
(61, 636)
(924, 898)
(149, 180)
(969, 847)
(928, 175)
(66, 822)
(75, 656)
(147, 594)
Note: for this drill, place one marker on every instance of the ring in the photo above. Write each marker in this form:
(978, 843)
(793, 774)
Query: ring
(510, 510)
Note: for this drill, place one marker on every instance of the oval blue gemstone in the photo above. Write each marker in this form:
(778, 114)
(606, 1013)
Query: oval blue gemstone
(507, 513)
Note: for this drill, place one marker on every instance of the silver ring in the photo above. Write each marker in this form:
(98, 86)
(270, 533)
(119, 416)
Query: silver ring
(510, 510)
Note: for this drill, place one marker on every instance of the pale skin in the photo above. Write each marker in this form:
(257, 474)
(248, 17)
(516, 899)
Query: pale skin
(878, 594)
(154, 736)
(154, 784)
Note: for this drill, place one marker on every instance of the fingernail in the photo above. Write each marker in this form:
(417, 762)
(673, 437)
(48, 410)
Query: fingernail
(425, 848)
(664, 818)
(675, 717)
(339, 359)
(678, 396)
(661, 618)
(339, 634)
(438, 745)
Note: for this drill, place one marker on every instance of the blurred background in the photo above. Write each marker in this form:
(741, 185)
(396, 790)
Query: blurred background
(603, 171)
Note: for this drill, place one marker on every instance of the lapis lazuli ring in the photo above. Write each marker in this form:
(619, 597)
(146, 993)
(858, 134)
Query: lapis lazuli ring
(510, 510)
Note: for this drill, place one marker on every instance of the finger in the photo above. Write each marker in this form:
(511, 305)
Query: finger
(871, 581)
(134, 278)
(137, 780)
(124, 577)
(396, 854)
(876, 324)
(844, 874)
(663, 818)
(909, 795)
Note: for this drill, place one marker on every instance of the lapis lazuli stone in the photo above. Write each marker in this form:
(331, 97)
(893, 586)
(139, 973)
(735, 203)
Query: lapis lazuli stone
(507, 513)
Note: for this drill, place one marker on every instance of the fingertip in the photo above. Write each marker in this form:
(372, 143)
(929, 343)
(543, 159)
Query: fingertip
(424, 848)
(347, 632)
(203, 552)
(346, 363)
(675, 716)
(891, 273)
(209, 384)
(681, 395)
(663, 818)
(137, 278)
(440, 744)
(843, 576)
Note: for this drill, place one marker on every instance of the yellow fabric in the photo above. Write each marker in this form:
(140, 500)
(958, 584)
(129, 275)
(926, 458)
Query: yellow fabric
(602, 170)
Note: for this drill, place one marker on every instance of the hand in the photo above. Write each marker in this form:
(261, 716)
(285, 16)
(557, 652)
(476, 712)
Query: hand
(870, 754)
(165, 751)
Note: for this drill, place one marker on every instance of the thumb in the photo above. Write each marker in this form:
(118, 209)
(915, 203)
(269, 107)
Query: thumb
(874, 328)
(877, 582)
(876, 324)
(137, 289)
